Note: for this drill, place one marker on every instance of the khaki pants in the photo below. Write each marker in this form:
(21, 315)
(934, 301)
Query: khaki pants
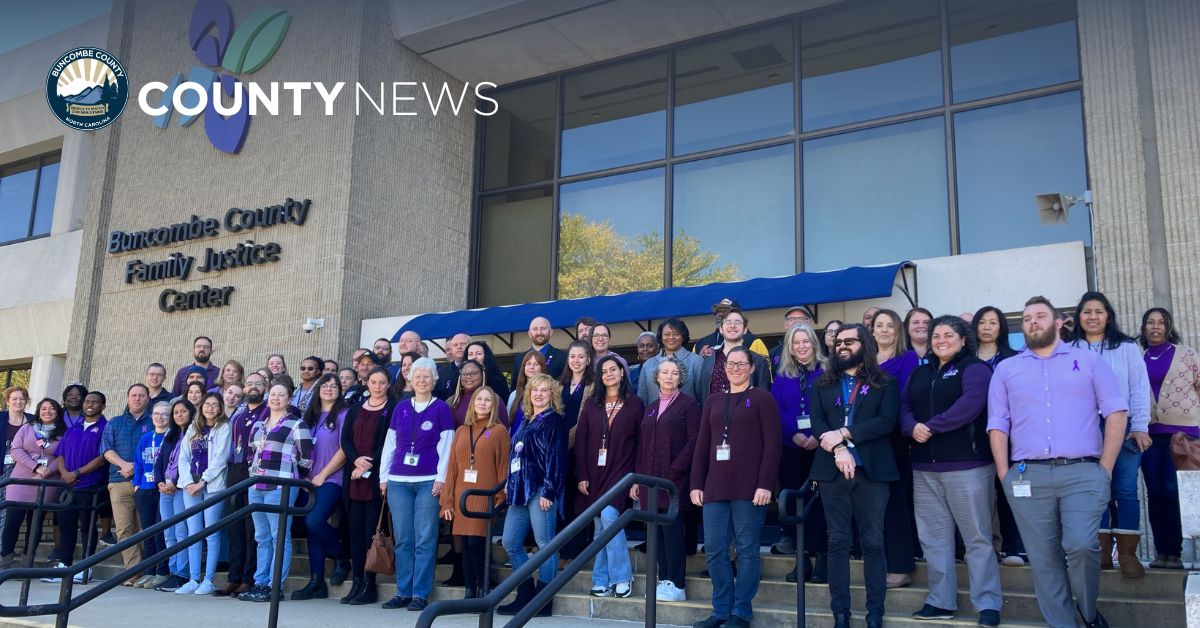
(125, 519)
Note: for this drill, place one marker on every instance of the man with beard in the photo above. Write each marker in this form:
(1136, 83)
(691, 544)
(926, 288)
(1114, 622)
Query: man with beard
(705, 346)
(81, 464)
(1044, 403)
(447, 381)
(733, 334)
(242, 553)
(202, 348)
(382, 351)
(854, 408)
(540, 332)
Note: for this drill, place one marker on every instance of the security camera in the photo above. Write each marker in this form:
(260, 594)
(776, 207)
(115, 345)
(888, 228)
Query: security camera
(312, 323)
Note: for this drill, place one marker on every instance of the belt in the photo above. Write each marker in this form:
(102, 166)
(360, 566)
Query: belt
(1060, 462)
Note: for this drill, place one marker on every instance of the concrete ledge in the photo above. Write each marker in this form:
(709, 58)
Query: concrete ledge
(1191, 597)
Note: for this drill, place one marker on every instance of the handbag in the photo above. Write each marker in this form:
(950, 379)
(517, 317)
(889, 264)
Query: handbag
(1185, 452)
(381, 556)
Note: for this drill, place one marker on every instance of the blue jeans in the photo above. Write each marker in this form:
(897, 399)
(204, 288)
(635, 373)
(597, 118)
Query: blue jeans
(612, 564)
(195, 524)
(169, 506)
(266, 527)
(517, 522)
(415, 526)
(1124, 502)
(1162, 493)
(730, 597)
(322, 537)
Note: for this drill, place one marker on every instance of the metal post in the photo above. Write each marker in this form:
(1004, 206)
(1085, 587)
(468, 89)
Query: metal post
(652, 558)
(800, 583)
(487, 617)
(277, 565)
(31, 541)
(64, 601)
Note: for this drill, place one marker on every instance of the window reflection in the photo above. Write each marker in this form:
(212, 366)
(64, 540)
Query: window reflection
(16, 200)
(734, 90)
(735, 217)
(610, 237)
(47, 183)
(869, 62)
(515, 247)
(615, 115)
(1003, 47)
(876, 196)
(519, 139)
(1008, 154)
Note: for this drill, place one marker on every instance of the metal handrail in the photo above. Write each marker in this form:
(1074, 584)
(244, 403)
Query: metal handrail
(66, 603)
(487, 617)
(650, 516)
(788, 497)
(39, 506)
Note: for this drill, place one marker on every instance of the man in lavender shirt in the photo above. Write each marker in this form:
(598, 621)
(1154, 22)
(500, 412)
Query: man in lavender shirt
(1047, 403)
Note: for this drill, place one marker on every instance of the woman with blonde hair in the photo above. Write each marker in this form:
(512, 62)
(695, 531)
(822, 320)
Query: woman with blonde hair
(534, 363)
(232, 373)
(478, 459)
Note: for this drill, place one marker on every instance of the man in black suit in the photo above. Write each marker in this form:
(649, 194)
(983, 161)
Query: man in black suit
(539, 338)
(456, 351)
(854, 408)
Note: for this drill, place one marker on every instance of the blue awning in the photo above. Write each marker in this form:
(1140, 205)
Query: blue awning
(849, 284)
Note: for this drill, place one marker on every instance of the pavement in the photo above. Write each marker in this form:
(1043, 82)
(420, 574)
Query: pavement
(136, 608)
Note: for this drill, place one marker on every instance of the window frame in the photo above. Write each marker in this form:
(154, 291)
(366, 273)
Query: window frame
(43, 160)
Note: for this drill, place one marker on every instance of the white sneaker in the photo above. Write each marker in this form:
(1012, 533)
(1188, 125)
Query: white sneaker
(188, 588)
(54, 580)
(1013, 560)
(668, 592)
(622, 589)
(86, 573)
(601, 591)
(205, 588)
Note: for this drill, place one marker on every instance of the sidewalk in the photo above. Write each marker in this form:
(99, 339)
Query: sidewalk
(135, 608)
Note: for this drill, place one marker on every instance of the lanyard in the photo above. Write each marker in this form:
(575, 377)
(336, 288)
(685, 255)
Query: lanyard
(729, 413)
(609, 416)
(848, 411)
(412, 435)
(474, 439)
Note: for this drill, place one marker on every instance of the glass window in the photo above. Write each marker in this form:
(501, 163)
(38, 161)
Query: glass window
(515, 247)
(518, 142)
(17, 184)
(15, 376)
(876, 196)
(869, 62)
(615, 115)
(735, 217)
(610, 235)
(47, 184)
(1007, 155)
(734, 90)
(1004, 47)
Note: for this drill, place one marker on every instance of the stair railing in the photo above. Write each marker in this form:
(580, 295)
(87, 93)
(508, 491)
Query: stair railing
(789, 514)
(40, 507)
(488, 616)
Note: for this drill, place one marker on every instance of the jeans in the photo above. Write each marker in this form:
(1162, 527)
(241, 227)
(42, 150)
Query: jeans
(1162, 493)
(517, 523)
(195, 524)
(1123, 510)
(730, 597)
(322, 537)
(147, 507)
(863, 500)
(169, 506)
(266, 530)
(415, 525)
(612, 564)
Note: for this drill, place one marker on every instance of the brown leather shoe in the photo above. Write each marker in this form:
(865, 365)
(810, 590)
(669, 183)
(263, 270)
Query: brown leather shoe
(898, 580)
(228, 590)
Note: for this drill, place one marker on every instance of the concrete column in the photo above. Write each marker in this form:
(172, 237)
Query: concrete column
(46, 377)
(74, 174)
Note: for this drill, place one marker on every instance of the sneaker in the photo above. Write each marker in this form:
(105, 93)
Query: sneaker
(622, 589)
(205, 588)
(108, 539)
(932, 612)
(668, 592)
(54, 580)
(785, 547)
(81, 576)
(736, 622)
(1013, 560)
(141, 583)
(188, 588)
(601, 591)
(989, 618)
(156, 582)
(712, 622)
(171, 583)
(257, 593)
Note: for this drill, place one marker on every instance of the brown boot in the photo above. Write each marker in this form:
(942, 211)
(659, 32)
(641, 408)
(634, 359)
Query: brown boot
(1106, 543)
(1131, 566)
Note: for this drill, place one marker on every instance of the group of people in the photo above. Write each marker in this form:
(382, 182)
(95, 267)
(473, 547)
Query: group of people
(909, 429)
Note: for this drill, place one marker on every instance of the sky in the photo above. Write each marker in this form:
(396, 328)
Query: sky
(26, 21)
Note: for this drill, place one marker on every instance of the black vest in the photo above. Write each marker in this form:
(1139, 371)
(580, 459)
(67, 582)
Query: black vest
(931, 391)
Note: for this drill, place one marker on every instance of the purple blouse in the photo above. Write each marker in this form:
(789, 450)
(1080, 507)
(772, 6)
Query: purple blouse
(1158, 362)
(901, 367)
(199, 453)
(326, 443)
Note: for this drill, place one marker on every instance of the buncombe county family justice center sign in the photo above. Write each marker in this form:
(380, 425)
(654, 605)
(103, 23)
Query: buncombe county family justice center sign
(180, 267)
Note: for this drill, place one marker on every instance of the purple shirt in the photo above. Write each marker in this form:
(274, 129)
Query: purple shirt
(1051, 407)
(420, 433)
(901, 367)
(791, 394)
(180, 385)
(243, 421)
(326, 443)
(199, 452)
(1158, 362)
(172, 471)
(80, 446)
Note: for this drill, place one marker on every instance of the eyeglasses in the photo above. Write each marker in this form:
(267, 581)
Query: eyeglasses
(329, 386)
(737, 366)
(795, 319)
(733, 322)
(470, 374)
(846, 342)
(308, 368)
(600, 335)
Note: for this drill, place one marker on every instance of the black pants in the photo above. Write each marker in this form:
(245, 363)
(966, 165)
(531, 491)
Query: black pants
(672, 560)
(243, 551)
(472, 561)
(899, 526)
(570, 512)
(864, 500)
(794, 467)
(13, 519)
(80, 519)
(364, 516)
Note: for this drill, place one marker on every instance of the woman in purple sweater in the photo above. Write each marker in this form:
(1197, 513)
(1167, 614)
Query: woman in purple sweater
(734, 470)
(34, 450)
(325, 416)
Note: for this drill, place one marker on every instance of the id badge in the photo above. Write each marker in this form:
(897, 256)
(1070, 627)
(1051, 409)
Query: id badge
(8, 459)
(149, 476)
(722, 452)
(803, 422)
(514, 466)
(1022, 488)
(470, 476)
(602, 458)
(42, 462)
(412, 458)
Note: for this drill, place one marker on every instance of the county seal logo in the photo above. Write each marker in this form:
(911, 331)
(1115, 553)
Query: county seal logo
(87, 89)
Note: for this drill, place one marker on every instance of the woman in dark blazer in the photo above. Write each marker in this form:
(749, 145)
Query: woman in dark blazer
(854, 409)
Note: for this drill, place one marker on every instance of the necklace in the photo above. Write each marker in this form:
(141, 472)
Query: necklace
(1161, 353)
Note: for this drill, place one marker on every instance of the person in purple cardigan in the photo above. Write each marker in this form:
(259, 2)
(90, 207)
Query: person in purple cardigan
(734, 470)
(606, 439)
(34, 450)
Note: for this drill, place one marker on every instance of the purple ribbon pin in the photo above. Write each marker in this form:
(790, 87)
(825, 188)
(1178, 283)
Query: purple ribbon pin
(839, 401)
(863, 390)
(1076, 367)
(747, 403)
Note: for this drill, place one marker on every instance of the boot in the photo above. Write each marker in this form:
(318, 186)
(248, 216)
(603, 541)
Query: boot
(547, 610)
(1106, 543)
(525, 592)
(315, 589)
(369, 594)
(341, 568)
(1127, 545)
(355, 590)
(457, 578)
(820, 573)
